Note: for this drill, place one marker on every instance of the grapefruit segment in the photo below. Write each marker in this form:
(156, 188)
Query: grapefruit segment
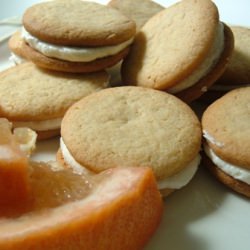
(46, 206)
(14, 170)
(120, 209)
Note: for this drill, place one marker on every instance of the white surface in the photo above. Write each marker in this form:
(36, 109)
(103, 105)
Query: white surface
(202, 216)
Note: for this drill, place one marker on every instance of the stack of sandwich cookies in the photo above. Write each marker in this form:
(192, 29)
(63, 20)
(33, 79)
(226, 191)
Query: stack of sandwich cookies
(132, 126)
(181, 50)
(237, 73)
(138, 10)
(38, 99)
(226, 130)
(75, 36)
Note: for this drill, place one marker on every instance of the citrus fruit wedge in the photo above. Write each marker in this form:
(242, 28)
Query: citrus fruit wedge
(46, 206)
(116, 209)
(14, 185)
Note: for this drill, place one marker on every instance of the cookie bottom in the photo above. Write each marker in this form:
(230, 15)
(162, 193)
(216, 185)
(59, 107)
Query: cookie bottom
(190, 94)
(59, 157)
(229, 181)
(16, 44)
(72, 67)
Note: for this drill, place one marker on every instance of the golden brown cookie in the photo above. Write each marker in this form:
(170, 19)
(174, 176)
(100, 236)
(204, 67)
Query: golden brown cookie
(229, 181)
(75, 36)
(238, 69)
(133, 126)
(16, 44)
(180, 47)
(237, 73)
(225, 126)
(138, 10)
(38, 98)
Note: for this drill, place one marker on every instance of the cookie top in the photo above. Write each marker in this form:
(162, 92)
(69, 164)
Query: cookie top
(226, 122)
(77, 23)
(171, 45)
(138, 10)
(132, 126)
(238, 69)
(28, 93)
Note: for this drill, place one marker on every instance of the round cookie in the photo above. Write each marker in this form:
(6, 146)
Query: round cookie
(138, 10)
(226, 129)
(181, 50)
(238, 69)
(237, 73)
(16, 44)
(76, 36)
(133, 126)
(38, 99)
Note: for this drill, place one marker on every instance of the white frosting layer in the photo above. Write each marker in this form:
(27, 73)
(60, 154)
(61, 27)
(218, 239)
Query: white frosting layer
(206, 65)
(39, 125)
(211, 139)
(73, 54)
(174, 182)
(69, 159)
(236, 172)
(16, 59)
(182, 178)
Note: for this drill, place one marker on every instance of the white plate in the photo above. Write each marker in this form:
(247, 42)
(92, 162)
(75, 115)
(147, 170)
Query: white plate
(202, 216)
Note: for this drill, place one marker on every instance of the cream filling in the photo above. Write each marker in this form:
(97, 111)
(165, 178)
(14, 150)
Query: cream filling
(69, 159)
(218, 87)
(182, 178)
(206, 65)
(16, 59)
(73, 54)
(174, 182)
(236, 172)
(39, 125)
(211, 139)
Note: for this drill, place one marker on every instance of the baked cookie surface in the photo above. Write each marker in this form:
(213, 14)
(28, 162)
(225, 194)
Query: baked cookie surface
(74, 36)
(238, 69)
(237, 73)
(138, 10)
(229, 181)
(29, 94)
(225, 125)
(227, 121)
(179, 47)
(77, 23)
(132, 126)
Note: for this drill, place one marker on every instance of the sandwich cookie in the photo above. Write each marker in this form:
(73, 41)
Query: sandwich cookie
(237, 73)
(75, 36)
(138, 10)
(132, 126)
(226, 129)
(181, 50)
(38, 99)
